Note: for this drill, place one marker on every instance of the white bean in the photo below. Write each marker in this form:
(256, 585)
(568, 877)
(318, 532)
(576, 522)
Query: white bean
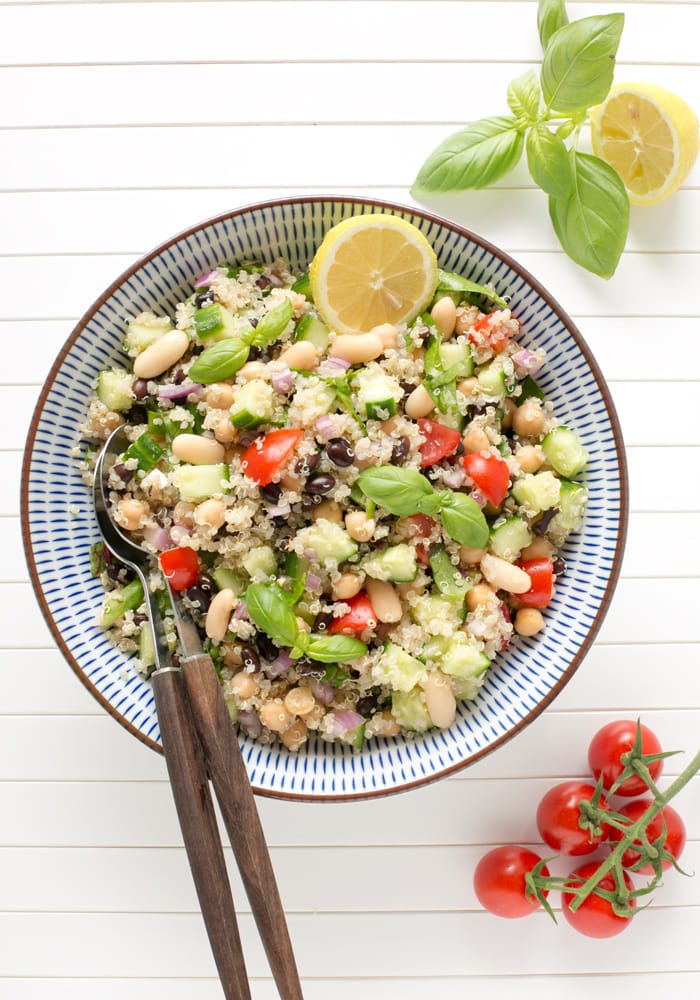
(387, 333)
(198, 450)
(357, 348)
(503, 575)
(219, 614)
(439, 699)
(384, 600)
(302, 355)
(419, 404)
(444, 315)
(161, 355)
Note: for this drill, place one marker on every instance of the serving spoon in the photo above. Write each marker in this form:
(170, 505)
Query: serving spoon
(199, 742)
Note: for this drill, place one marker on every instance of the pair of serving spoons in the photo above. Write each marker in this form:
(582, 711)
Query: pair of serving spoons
(199, 743)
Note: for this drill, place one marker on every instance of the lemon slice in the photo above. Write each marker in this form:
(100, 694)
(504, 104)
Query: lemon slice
(649, 135)
(372, 269)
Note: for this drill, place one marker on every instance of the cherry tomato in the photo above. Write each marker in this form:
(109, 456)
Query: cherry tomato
(423, 527)
(268, 453)
(607, 747)
(440, 441)
(673, 841)
(488, 331)
(360, 616)
(595, 916)
(491, 475)
(558, 817)
(180, 567)
(541, 573)
(499, 881)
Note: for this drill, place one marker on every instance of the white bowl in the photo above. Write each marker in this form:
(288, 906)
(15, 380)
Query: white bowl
(59, 524)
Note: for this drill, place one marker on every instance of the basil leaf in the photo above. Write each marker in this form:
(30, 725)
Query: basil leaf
(579, 61)
(401, 491)
(524, 96)
(273, 324)
(269, 609)
(334, 648)
(455, 284)
(548, 161)
(473, 157)
(220, 361)
(591, 222)
(551, 16)
(463, 519)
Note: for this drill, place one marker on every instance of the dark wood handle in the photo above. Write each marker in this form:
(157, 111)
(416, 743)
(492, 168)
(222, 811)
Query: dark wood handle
(190, 785)
(238, 808)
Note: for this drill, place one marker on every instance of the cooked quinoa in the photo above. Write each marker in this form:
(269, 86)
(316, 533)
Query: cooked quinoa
(289, 466)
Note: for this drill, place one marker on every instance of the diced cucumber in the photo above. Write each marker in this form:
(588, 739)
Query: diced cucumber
(398, 669)
(302, 285)
(446, 576)
(144, 330)
(397, 564)
(410, 710)
(253, 404)
(492, 380)
(466, 688)
(198, 482)
(129, 598)
(564, 452)
(114, 389)
(376, 392)
(147, 654)
(452, 354)
(572, 505)
(214, 322)
(509, 538)
(146, 450)
(329, 542)
(429, 608)
(260, 563)
(310, 327)
(537, 490)
(463, 658)
(229, 579)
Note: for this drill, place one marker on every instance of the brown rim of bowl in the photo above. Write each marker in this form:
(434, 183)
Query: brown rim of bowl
(522, 273)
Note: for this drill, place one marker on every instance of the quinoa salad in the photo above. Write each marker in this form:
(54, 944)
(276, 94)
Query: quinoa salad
(359, 523)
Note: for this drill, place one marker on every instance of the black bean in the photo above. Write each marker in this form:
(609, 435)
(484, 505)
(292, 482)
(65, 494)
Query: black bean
(310, 668)
(199, 595)
(266, 647)
(204, 299)
(407, 387)
(140, 388)
(139, 619)
(340, 452)
(246, 437)
(250, 658)
(367, 705)
(322, 621)
(263, 281)
(306, 465)
(271, 492)
(253, 322)
(559, 566)
(138, 415)
(318, 486)
(540, 527)
(126, 475)
(255, 353)
(399, 453)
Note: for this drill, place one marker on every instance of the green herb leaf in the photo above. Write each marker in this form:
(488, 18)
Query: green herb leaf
(579, 61)
(551, 16)
(334, 648)
(548, 161)
(269, 609)
(220, 361)
(401, 491)
(463, 519)
(456, 285)
(473, 157)
(524, 97)
(273, 324)
(592, 221)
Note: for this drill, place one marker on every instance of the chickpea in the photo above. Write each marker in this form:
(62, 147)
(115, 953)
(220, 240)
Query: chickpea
(385, 724)
(359, 526)
(419, 404)
(130, 513)
(387, 333)
(470, 556)
(528, 419)
(300, 701)
(465, 319)
(528, 621)
(509, 408)
(539, 548)
(480, 594)
(295, 736)
(328, 510)
(224, 431)
(244, 685)
(346, 586)
(529, 458)
(468, 386)
(274, 716)
(210, 514)
(220, 396)
(475, 440)
(249, 371)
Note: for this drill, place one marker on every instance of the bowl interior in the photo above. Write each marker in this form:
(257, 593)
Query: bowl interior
(59, 524)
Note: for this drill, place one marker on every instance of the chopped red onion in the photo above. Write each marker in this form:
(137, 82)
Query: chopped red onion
(158, 537)
(282, 381)
(178, 532)
(336, 364)
(181, 391)
(454, 477)
(527, 362)
(278, 667)
(241, 611)
(322, 691)
(205, 279)
(249, 723)
(325, 426)
(478, 497)
(281, 509)
(342, 721)
(310, 554)
(313, 582)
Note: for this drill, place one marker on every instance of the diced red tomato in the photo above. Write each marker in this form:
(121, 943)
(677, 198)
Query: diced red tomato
(491, 475)
(267, 454)
(440, 441)
(541, 573)
(180, 567)
(361, 616)
(423, 528)
(490, 332)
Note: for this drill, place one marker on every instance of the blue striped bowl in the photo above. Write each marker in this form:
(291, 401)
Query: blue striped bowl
(59, 524)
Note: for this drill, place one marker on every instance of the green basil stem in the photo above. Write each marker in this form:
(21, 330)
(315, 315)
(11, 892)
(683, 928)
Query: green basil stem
(633, 832)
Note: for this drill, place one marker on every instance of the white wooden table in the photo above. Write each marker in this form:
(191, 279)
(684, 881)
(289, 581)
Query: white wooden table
(122, 123)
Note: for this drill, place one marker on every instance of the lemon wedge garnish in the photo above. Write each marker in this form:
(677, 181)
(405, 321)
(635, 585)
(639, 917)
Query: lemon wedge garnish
(372, 269)
(649, 136)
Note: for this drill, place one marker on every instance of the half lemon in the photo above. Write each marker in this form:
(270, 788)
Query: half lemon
(372, 269)
(649, 136)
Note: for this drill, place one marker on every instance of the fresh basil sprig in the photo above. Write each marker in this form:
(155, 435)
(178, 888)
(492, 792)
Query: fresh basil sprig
(588, 203)
(459, 288)
(268, 607)
(405, 491)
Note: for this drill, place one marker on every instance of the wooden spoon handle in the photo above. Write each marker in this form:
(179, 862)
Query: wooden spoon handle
(190, 785)
(237, 802)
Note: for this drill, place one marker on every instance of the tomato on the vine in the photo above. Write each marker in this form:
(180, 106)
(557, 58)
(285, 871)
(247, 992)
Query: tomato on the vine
(607, 747)
(559, 818)
(673, 839)
(499, 881)
(595, 917)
